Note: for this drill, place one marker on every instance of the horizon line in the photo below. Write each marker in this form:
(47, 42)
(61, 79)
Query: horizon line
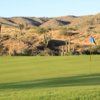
(49, 16)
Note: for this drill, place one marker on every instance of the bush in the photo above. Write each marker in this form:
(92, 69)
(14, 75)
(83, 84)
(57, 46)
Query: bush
(41, 30)
(67, 32)
(93, 50)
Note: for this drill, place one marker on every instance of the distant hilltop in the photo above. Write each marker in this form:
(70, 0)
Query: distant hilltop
(84, 22)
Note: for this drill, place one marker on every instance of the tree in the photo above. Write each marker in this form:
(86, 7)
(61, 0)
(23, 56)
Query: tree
(1, 49)
(45, 35)
(69, 33)
(0, 28)
(21, 27)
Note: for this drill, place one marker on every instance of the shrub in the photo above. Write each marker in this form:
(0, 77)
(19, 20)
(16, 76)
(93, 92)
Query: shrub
(41, 30)
(93, 50)
(67, 31)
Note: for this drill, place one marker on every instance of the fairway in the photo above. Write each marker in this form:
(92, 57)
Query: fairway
(50, 78)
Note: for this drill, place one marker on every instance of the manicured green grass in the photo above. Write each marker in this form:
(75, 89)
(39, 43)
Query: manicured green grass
(50, 78)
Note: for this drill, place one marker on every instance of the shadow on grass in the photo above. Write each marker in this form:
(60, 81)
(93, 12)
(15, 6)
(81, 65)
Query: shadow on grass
(84, 80)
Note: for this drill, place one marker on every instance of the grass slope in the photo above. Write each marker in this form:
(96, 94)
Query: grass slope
(50, 78)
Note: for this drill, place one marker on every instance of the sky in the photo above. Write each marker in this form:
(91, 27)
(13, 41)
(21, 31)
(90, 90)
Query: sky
(48, 8)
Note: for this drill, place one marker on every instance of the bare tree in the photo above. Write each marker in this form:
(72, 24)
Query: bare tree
(0, 28)
(21, 27)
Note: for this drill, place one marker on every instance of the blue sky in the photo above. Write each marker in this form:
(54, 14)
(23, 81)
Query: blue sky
(48, 8)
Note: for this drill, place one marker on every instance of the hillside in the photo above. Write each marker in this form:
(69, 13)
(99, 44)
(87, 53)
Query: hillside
(32, 40)
(54, 24)
(83, 21)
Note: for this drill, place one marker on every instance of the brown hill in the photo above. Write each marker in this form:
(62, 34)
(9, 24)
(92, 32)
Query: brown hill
(82, 22)
(7, 21)
(26, 21)
(54, 23)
